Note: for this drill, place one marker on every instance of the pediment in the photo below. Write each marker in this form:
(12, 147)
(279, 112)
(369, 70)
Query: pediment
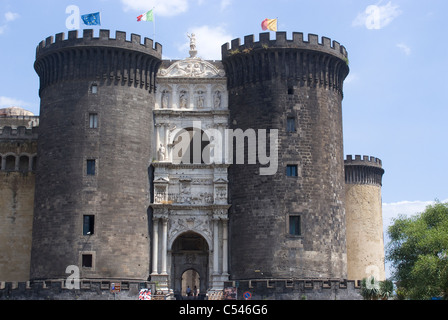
(161, 180)
(192, 68)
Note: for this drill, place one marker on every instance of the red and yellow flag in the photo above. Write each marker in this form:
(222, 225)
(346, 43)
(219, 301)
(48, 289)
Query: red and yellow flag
(269, 24)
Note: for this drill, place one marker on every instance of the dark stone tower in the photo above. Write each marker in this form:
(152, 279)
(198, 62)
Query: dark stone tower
(94, 149)
(292, 223)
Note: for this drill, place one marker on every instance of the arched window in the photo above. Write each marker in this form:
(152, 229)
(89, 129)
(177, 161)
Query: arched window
(10, 164)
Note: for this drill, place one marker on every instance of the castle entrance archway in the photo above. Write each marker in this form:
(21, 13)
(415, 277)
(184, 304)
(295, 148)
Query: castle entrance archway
(190, 255)
(190, 283)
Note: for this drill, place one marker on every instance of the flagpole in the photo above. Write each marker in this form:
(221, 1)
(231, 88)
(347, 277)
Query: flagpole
(154, 26)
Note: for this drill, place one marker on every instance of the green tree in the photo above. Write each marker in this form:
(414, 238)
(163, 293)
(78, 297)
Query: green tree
(418, 251)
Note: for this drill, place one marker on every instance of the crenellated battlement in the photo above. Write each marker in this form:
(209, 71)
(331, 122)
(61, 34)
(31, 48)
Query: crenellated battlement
(103, 40)
(281, 41)
(104, 59)
(21, 132)
(303, 63)
(280, 289)
(364, 160)
(365, 170)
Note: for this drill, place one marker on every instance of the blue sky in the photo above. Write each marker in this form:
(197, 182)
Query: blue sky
(395, 97)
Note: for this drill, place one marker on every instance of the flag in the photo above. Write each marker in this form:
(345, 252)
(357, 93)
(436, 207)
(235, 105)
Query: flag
(148, 16)
(269, 24)
(91, 19)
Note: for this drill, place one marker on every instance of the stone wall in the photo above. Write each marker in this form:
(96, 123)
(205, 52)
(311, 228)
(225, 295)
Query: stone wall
(267, 289)
(16, 223)
(365, 244)
(311, 289)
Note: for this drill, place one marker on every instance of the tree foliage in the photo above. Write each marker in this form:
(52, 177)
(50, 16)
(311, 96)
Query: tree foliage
(418, 251)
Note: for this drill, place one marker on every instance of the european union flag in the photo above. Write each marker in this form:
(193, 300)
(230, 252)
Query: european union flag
(91, 19)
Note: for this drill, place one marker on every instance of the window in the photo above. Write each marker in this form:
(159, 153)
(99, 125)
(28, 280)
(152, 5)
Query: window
(87, 261)
(93, 120)
(290, 90)
(88, 225)
(94, 88)
(291, 170)
(294, 226)
(291, 124)
(91, 167)
(10, 164)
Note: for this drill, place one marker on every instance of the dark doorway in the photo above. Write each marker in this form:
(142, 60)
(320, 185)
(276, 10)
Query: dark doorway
(190, 254)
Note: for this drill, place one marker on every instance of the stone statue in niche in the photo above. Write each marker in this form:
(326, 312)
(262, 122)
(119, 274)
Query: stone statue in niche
(165, 95)
(161, 152)
(200, 99)
(217, 99)
(183, 99)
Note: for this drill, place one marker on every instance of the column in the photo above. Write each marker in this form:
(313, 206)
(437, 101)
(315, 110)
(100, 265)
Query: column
(155, 245)
(164, 244)
(157, 137)
(224, 247)
(215, 246)
(166, 132)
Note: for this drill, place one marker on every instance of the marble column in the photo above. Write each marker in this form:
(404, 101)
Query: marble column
(155, 245)
(224, 247)
(215, 246)
(164, 244)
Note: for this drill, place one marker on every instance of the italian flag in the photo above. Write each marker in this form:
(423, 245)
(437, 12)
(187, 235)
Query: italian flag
(148, 16)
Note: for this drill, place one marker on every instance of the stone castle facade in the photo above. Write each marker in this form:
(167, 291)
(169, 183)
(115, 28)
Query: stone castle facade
(187, 172)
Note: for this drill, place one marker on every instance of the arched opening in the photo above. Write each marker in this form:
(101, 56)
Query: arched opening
(190, 283)
(190, 146)
(10, 164)
(189, 265)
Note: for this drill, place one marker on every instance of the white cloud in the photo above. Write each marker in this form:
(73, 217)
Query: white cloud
(208, 41)
(11, 16)
(405, 208)
(6, 102)
(377, 17)
(404, 48)
(351, 78)
(162, 8)
(225, 4)
(8, 17)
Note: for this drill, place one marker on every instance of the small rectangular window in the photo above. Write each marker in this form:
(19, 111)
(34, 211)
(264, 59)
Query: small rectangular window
(291, 124)
(93, 120)
(87, 261)
(291, 170)
(88, 225)
(91, 167)
(94, 89)
(294, 226)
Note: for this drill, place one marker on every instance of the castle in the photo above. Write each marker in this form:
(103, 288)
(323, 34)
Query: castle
(188, 172)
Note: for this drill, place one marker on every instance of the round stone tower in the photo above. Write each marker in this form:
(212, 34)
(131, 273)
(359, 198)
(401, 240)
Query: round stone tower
(288, 222)
(94, 149)
(365, 243)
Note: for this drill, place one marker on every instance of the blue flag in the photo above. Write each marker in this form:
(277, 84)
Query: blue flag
(91, 19)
